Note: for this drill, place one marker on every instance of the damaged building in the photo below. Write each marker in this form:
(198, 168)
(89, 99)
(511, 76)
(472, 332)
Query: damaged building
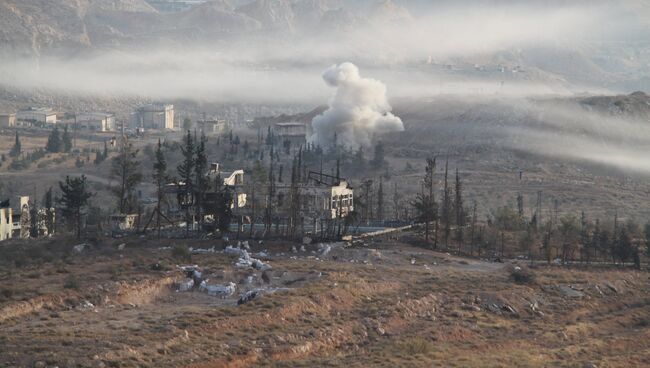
(17, 221)
(154, 116)
(291, 135)
(177, 200)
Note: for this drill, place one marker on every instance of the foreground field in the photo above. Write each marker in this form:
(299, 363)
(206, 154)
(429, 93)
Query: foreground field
(387, 304)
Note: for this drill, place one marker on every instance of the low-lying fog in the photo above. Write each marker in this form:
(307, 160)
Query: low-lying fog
(507, 49)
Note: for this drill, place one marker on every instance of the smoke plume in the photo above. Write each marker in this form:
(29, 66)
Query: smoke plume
(357, 110)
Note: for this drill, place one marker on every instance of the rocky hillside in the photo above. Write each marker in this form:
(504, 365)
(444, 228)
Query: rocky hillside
(37, 27)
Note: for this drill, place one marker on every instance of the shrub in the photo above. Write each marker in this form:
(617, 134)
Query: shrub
(71, 282)
(522, 275)
(182, 253)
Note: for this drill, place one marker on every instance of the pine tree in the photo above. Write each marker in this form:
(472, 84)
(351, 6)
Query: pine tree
(66, 140)
(201, 180)
(54, 141)
(48, 204)
(73, 201)
(646, 233)
(16, 150)
(186, 173)
(126, 169)
(425, 203)
(160, 178)
(379, 160)
(446, 205)
(359, 159)
(460, 211)
(380, 200)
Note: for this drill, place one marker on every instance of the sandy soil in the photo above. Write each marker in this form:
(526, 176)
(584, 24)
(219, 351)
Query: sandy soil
(386, 304)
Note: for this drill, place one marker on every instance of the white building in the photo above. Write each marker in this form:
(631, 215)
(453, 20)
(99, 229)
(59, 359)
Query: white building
(43, 115)
(96, 121)
(159, 117)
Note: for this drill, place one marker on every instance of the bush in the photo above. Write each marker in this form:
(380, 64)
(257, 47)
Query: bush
(71, 282)
(522, 275)
(182, 253)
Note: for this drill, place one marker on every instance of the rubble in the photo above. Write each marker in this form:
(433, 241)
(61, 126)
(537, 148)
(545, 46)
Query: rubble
(248, 296)
(185, 286)
(202, 251)
(222, 291)
(570, 292)
(79, 247)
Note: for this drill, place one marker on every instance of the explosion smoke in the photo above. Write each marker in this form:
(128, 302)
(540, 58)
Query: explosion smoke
(357, 110)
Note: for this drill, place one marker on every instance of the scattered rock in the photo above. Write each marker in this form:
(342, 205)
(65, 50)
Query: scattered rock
(248, 296)
(570, 292)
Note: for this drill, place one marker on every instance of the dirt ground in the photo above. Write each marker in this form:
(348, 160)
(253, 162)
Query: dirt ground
(385, 304)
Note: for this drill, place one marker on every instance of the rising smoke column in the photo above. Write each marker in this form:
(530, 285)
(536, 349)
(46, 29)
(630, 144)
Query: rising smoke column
(357, 110)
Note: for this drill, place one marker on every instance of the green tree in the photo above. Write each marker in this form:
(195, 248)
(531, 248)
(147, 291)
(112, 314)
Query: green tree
(425, 204)
(17, 148)
(221, 206)
(54, 141)
(160, 178)
(186, 173)
(66, 140)
(379, 159)
(48, 205)
(201, 180)
(359, 159)
(460, 210)
(126, 169)
(187, 124)
(646, 233)
(569, 229)
(74, 200)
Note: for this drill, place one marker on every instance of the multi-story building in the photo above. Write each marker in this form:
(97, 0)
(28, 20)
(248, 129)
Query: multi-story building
(291, 134)
(154, 116)
(96, 121)
(43, 115)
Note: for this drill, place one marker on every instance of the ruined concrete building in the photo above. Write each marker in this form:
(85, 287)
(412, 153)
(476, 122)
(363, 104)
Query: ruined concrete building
(17, 222)
(177, 201)
(234, 180)
(291, 134)
(212, 126)
(154, 116)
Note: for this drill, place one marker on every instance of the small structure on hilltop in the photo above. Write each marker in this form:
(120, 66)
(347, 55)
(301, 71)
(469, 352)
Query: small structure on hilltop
(154, 116)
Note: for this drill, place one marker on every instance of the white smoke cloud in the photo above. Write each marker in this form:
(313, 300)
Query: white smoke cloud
(357, 111)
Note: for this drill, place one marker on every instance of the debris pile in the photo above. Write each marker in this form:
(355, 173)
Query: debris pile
(222, 291)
